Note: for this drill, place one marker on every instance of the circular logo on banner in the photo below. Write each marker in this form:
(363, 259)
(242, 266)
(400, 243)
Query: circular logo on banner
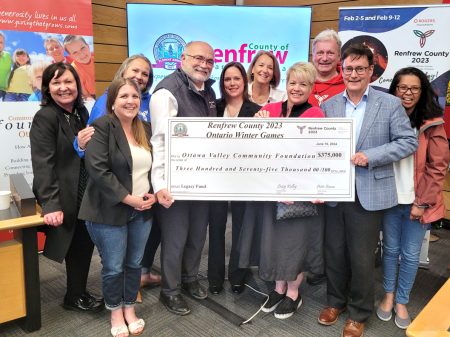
(180, 130)
(167, 51)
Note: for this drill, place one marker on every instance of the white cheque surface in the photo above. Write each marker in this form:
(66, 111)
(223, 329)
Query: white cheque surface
(260, 159)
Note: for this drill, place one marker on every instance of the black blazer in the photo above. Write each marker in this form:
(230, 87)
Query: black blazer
(109, 164)
(248, 109)
(56, 170)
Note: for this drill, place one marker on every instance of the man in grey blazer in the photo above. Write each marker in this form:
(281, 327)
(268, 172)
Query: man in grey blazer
(383, 136)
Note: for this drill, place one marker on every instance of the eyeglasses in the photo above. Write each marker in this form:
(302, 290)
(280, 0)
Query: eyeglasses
(404, 89)
(359, 70)
(201, 59)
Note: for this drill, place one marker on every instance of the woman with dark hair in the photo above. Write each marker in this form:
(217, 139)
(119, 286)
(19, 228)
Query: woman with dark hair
(419, 179)
(60, 179)
(233, 103)
(263, 76)
(118, 200)
(139, 69)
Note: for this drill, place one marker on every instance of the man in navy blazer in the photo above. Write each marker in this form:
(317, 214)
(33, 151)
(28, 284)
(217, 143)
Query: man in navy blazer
(383, 136)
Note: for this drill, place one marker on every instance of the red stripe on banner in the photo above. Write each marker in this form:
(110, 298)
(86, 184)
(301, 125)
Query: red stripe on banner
(47, 16)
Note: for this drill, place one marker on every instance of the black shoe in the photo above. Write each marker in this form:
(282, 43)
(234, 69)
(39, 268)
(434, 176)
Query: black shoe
(237, 288)
(195, 290)
(315, 279)
(274, 299)
(287, 307)
(215, 289)
(82, 304)
(175, 304)
(93, 298)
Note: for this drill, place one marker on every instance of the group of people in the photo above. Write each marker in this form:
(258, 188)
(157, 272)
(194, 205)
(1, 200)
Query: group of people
(21, 79)
(104, 183)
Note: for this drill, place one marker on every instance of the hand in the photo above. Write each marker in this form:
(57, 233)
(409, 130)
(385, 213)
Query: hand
(262, 114)
(148, 201)
(165, 198)
(84, 136)
(317, 201)
(416, 213)
(360, 159)
(54, 219)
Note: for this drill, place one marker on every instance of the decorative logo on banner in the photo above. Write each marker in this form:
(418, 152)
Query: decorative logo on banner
(423, 36)
(167, 51)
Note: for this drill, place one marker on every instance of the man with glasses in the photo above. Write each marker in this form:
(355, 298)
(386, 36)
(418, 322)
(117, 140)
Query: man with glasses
(383, 136)
(186, 92)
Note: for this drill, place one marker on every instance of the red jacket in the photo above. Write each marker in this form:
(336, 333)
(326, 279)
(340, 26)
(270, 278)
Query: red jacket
(325, 90)
(430, 166)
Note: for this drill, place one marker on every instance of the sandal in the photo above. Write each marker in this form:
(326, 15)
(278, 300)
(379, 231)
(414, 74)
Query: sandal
(118, 330)
(137, 327)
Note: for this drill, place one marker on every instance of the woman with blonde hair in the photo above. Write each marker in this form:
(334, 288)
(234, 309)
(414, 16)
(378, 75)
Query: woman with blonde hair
(264, 77)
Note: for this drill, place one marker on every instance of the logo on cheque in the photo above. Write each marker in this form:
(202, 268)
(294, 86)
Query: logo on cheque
(167, 51)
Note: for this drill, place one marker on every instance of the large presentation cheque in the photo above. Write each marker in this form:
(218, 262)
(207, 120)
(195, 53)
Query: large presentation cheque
(260, 159)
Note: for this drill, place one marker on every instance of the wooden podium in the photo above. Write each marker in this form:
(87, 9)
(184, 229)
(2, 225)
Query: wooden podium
(19, 266)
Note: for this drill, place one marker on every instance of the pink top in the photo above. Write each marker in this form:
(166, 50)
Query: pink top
(275, 111)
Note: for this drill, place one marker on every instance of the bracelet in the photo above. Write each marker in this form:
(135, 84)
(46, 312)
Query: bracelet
(80, 149)
(422, 206)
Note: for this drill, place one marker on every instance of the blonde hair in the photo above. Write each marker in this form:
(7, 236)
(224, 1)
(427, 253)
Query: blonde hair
(303, 69)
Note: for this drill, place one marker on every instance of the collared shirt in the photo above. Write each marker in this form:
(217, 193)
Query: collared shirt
(275, 95)
(356, 111)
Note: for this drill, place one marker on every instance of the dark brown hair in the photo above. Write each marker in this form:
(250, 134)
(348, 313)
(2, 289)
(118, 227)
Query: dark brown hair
(58, 69)
(241, 69)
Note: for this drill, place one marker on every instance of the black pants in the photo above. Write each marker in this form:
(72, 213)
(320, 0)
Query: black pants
(351, 236)
(152, 244)
(183, 234)
(315, 257)
(218, 212)
(78, 261)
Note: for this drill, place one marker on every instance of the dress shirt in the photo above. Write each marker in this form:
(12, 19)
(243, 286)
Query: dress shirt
(356, 111)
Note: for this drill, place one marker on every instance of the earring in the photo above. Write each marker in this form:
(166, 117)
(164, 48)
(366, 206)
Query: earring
(252, 76)
(112, 108)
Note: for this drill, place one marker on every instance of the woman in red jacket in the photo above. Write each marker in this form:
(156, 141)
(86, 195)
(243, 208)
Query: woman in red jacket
(419, 179)
(282, 245)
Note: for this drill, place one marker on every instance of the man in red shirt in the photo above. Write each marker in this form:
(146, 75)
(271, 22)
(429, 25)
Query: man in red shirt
(326, 53)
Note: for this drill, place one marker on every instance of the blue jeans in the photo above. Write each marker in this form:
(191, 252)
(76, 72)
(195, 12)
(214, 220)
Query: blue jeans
(121, 249)
(402, 238)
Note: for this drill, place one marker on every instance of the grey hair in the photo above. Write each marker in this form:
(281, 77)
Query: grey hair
(327, 35)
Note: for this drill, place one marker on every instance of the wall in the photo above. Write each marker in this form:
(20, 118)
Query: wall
(110, 32)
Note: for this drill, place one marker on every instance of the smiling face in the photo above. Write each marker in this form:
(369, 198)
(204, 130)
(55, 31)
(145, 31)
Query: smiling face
(233, 83)
(63, 90)
(298, 89)
(36, 81)
(198, 71)
(55, 51)
(22, 59)
(356, 84)
(79, 51)
(138, 71)
(263, 70)
(326, 57)
(126, 105)
(409, 99)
